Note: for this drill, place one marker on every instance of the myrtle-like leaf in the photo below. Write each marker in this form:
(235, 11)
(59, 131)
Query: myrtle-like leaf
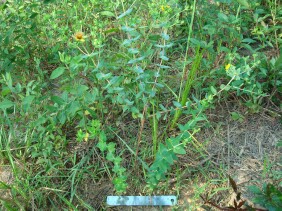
(57, 72)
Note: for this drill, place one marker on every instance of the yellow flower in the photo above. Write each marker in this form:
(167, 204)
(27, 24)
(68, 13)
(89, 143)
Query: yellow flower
(227, 67)
(79, 36)
(86, 136)
(164, 7)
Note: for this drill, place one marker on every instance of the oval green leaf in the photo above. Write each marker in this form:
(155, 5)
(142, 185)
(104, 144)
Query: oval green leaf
(6, 104)
(57, 72)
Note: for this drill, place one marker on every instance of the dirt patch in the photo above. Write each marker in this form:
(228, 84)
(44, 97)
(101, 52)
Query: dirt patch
(246, 149)
(95, 193)
(6, 178)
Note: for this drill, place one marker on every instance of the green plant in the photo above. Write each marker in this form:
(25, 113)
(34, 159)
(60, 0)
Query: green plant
(266, 26)
(269, 196)
(93, 131)
(245, 80)
(19, 25)
(183, 96)
(188, 85)
(167, 153)
(237, 116)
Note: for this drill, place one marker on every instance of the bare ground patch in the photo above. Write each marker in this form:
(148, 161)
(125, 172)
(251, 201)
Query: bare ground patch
(246, 150)
(6, 178)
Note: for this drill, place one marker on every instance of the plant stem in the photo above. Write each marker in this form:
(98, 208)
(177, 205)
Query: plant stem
(154, 125)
